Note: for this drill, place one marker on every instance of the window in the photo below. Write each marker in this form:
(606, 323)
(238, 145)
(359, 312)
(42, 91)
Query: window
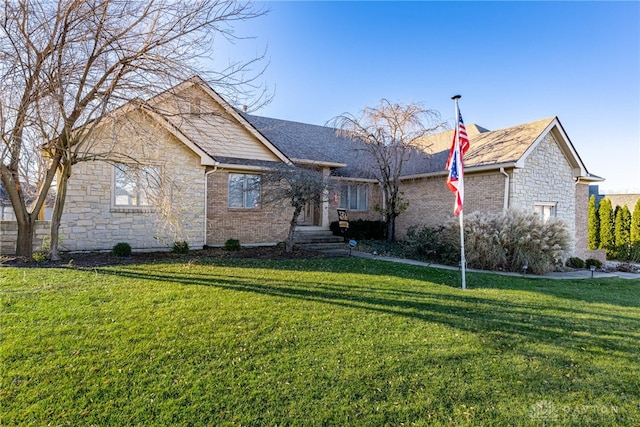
(244, 191)
(546, 210)
(136, 185)
(354, 197)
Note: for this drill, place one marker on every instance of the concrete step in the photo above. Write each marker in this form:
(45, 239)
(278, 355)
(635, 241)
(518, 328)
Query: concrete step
(322, 246)
(314, 235)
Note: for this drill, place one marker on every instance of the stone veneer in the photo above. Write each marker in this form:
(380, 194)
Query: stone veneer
(9, 236)
(547, 177)
(91, 221)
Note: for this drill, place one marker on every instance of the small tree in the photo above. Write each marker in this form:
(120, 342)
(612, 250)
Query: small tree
(622, 232)
(387, 137)
(635, 224)
(296, 186)
(64, 64)
(594, 225)
(607, 239)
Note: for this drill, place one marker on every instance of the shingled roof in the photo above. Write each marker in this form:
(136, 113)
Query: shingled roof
(323, 145)
(304, 143)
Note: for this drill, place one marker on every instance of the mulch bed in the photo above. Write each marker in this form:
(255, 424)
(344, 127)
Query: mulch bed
(96, 259)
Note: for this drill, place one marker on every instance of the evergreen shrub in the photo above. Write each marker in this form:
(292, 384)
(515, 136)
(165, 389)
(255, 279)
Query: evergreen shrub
(180, 247)
(575, 262)
(232, 245)
(121, 249)
(361, 229)
(592, 261)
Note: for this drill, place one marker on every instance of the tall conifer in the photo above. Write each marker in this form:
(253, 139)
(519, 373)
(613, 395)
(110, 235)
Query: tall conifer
(607, 240)
(635, 224)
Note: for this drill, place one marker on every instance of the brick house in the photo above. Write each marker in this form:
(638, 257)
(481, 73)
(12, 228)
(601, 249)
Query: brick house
(201, 159)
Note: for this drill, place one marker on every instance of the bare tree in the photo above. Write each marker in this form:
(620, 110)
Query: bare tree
(65, 64)
(389, 137)
(296, 186)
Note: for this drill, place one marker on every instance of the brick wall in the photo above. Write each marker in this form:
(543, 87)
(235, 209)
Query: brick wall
(431, 203)
(374, 198)
(268, 224)
(582, 222)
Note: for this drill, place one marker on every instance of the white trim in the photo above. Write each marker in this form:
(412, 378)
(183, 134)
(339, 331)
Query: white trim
(472, 169)
(319, 163)
(565, 145)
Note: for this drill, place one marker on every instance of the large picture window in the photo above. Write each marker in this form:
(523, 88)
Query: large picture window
(244, 191)
(135, 185)
(354, 197)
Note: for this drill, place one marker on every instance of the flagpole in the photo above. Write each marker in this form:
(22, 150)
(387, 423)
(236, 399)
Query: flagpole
(463, 262)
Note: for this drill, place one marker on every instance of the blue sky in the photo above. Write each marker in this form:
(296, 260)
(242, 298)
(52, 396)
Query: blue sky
(512, 62)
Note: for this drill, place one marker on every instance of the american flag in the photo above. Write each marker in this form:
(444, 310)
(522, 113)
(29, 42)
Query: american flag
(455, 164)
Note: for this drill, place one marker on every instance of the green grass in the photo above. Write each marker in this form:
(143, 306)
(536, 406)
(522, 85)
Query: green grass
(314, 342)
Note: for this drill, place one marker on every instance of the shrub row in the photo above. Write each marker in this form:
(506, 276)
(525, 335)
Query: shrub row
(360, 229)
(495, 242)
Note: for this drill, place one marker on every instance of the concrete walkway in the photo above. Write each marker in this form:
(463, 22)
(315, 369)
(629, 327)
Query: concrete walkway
(577, 274)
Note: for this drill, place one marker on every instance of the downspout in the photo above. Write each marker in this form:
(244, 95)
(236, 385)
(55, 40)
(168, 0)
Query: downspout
(506, 190)
(206, 205)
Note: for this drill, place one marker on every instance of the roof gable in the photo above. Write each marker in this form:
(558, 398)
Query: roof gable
(202, 116)
(509, 147)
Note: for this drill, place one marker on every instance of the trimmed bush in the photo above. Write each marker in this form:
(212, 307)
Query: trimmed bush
(121, 249)
(180, 247)
(40, 256)
(429, 244)
(361, 229)
(575, 262)
(592, 261)
(232, 245)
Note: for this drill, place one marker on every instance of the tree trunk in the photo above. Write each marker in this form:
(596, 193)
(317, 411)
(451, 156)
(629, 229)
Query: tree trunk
(24, 243)
(288, 247)
(391, 228)
(61, 195)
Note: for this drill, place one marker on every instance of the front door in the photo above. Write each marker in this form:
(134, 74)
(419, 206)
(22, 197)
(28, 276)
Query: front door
(307, 215)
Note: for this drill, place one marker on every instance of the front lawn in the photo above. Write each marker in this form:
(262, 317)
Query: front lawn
(314, 342)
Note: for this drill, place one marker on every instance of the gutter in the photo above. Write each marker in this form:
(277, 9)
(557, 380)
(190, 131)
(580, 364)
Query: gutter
(206, 191)
(506, 190)
(473, 169)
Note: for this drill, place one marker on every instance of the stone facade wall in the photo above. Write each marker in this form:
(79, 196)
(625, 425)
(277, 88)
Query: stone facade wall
(547, 177)
(91, 221)
(431, 203)
(9, 236)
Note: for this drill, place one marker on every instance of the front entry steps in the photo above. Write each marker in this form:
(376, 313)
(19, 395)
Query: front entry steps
(317, 239)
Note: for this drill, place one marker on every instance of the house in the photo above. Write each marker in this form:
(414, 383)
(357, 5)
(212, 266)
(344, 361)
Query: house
(529, 167)
(186, 165)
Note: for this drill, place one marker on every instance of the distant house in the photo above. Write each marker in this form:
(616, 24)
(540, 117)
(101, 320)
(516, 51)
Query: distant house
(617, 199)
(187, 166)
